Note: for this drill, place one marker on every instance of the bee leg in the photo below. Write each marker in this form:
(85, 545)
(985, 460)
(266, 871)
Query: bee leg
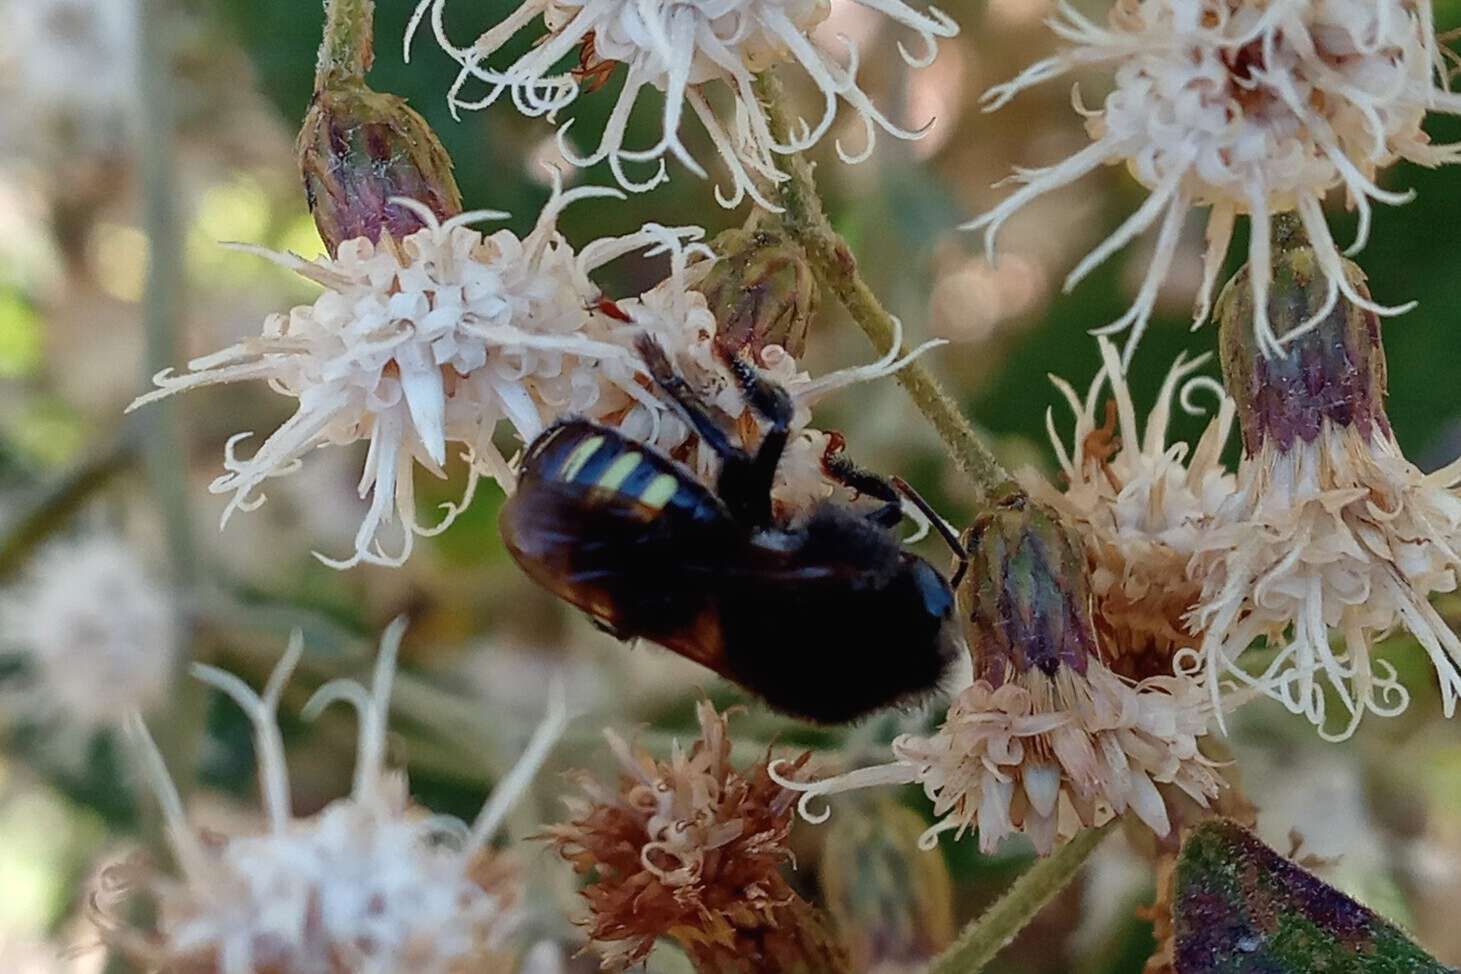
(941, 525)
(745, 481)
(747, 489)
(689, 401)
(838, 466)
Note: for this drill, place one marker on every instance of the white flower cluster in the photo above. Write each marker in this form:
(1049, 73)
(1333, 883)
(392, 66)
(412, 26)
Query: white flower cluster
(443, 336)
(1046, 756)
(429, 340)
(370, 884)
(1342, 533)
(679, 48)
(99, 630)
(1246, 108)
(1192, 565)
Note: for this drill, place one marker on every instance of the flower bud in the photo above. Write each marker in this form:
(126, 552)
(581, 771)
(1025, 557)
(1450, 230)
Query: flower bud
(761, 291)
(1335, 370)
(1026, 595)
(892, 902)
(358, 148)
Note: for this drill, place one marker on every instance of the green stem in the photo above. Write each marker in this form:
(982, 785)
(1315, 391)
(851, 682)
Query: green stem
(1026, 897)
(835, 266)
(164, 455)
(348, 49)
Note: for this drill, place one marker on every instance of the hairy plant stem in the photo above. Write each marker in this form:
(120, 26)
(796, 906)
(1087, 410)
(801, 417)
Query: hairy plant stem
(349, 48)
(832, 261)
(835, 266)
(1026, 897)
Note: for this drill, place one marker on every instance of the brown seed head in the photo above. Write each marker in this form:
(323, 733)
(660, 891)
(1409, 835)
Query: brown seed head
(691, 849)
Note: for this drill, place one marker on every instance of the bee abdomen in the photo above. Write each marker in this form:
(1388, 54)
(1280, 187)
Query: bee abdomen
(600, 461)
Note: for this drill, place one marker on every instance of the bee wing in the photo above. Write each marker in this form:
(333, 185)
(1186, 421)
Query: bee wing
(639, 577)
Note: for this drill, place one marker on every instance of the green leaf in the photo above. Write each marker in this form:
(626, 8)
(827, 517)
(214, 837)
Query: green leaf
(1241, 908)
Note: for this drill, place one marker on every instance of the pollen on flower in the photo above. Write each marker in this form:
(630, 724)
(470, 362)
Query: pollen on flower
(98, 629)
(1141, 505)
(691, 849)
(1245, 108)
(680, 48)
(371, 883)
(1047, 740)
(430, 340)
(1330, 526)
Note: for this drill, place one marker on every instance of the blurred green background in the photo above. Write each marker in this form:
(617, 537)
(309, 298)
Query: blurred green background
(73, 256)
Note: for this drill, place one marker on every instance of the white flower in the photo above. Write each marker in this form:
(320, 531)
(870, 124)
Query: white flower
(1045, 756)
(680, 47)
(1140, 505)
(417, 343)
(1340, 532)
(1047, 739)
(97, 627)
(1330, 526)
(369, 885)
(1244, 107)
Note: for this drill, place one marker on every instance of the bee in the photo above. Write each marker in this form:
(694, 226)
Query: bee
(827, 618)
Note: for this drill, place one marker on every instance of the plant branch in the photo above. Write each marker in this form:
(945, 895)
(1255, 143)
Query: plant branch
(833, 263)
(55, 503)
(1026, 897)
(164, 456)
(348, 49)
(163, 452)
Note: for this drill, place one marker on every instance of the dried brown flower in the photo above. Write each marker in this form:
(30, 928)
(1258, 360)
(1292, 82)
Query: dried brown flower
(691, 849)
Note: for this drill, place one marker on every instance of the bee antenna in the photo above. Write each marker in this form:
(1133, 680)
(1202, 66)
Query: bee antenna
(940, 524)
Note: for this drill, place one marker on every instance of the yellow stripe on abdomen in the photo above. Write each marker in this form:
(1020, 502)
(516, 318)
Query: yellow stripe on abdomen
(659, 491)
(579, 458)
(619, 471)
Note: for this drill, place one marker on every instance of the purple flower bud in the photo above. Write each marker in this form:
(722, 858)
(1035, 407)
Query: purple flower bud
(358, 148)
(1026, 595)
(892, 902)
(761, 291)
(1334, 371)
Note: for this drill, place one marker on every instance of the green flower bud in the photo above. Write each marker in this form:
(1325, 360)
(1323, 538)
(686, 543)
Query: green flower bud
(357, 149)
(761, 291)
(1026, 596)
(893, 902)
(1334, 371)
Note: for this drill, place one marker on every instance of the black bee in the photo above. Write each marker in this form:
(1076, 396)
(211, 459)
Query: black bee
(829, 619)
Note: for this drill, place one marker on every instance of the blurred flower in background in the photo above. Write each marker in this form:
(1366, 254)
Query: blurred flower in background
(97, 629)
(370, 883)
